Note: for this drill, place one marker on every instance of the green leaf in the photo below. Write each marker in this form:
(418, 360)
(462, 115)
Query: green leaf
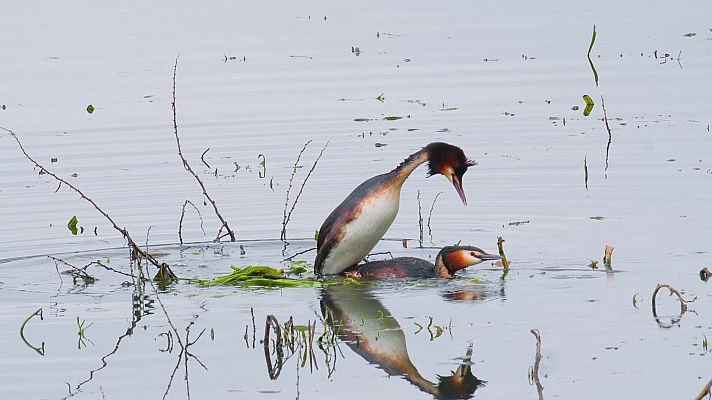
(593, 40)
(380, 98)
(72, 225)
(474, 280)
(589, 105)
(316, 234)
(90, 109)
(588, 55)
(392, 118)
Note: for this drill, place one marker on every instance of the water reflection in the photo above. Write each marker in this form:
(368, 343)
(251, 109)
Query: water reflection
(369, 329)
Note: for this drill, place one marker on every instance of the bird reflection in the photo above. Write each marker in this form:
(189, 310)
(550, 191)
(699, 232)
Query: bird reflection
(369, 329)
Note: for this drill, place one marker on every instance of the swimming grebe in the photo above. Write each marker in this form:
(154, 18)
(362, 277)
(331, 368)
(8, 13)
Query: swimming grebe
(449, 260)
(352, 230)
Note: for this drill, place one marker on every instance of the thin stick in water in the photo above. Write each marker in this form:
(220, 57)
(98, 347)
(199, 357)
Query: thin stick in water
(187, 167)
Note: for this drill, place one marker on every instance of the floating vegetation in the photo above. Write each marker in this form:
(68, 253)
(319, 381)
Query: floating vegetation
(90, 109)
(589, 105)
(381, 98)
(258, 275)
(392, 118)
(72, 225)
(588, 55)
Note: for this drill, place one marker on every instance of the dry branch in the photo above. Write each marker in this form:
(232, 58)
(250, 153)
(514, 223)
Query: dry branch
(182, 214)
(683, 302)
(288, 215)
(186, 165)
(430, 216)
(608, 128)
(535, 368)
(705, 391)
(123, 231)
(420, 222)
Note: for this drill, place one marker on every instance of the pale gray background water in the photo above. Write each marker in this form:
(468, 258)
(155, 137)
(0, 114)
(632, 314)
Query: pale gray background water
(298, 68)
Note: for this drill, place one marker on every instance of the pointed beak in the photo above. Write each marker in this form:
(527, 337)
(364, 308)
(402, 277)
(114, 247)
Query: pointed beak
(488, 257)
(458, 188)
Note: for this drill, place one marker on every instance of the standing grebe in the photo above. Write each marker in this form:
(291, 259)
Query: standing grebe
(449, 260)
(354, 228)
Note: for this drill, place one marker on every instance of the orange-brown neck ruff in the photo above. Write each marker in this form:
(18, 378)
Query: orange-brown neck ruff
(354, 228)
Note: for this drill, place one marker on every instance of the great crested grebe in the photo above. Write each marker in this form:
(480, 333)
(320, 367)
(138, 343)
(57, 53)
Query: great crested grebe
(449, 260)
(354, 228)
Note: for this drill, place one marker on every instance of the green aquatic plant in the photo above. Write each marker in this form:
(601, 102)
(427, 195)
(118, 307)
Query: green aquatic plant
(81, 331)
(258, 275)
(40, 350)
(297, 267)
(588, 55)
(589, 105)
(381, 98)
(90, 109)
(72, 225)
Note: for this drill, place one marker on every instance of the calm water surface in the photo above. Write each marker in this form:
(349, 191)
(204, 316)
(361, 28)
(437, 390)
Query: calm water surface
(502, 80)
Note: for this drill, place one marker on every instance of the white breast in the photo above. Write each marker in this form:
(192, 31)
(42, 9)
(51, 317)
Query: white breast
(363, 233)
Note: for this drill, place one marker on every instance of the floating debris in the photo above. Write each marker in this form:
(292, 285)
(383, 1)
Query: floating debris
(607, 253)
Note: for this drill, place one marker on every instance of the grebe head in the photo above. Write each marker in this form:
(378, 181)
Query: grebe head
(456, 258)
(450, 161)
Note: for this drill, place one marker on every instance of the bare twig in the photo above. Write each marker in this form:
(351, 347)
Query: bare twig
(186, 165)
(705, 391)
(288, 215)
(290, 258)
(585, 171)
(254, 328)
(608, 128)
(289, 189)
(420, 222)
(430, 216)
(75, 271)
(683, 302)
(202, 158)
(272, 323)
(182, 214)
(535, 368)
(123, 231)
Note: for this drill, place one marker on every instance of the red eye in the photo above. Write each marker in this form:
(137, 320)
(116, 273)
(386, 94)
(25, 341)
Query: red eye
(472, 253)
